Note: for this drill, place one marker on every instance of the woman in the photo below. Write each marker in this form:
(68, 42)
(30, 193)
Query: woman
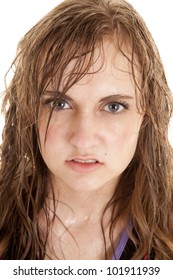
(86, 165)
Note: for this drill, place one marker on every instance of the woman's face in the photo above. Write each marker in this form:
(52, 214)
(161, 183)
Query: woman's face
(93, 132)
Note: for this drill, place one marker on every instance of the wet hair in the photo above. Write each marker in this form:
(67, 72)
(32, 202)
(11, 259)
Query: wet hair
(74, 29)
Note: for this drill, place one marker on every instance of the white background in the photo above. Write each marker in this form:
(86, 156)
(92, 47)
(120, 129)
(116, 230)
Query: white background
(18, 16)
(84, 270)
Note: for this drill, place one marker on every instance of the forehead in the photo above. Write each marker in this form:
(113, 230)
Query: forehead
(106, 60)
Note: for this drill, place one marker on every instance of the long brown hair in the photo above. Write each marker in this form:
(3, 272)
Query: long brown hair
(74, 29)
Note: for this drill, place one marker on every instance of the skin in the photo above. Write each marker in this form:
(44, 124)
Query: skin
(98, 120)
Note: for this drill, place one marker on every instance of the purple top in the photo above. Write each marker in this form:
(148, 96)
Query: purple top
(121, 245)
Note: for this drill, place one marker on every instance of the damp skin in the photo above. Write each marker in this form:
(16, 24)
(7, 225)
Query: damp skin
(94, 129)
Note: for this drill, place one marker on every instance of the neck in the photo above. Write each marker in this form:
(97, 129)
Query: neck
(76, 207)
(78, 217)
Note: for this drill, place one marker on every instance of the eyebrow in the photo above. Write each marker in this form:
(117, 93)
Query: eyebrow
(113, 97)
(57, 94)
(116, 97)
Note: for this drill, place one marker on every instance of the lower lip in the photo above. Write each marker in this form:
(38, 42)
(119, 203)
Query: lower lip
(83, 167)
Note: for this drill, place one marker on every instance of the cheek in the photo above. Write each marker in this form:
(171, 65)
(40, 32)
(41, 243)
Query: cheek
(125, 129)
(124, 139)
(121, 149)
(55, 136)
(129, 131)
(50, 134)
(50, 146)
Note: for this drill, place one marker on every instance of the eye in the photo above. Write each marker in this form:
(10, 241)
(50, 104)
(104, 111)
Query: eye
(56, 104)
(115, 107)
(60, 105)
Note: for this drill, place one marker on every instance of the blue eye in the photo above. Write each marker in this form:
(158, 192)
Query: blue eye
(115, 107)
(60, 105)
(57, 104)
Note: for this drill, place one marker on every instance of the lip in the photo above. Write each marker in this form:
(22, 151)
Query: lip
(83, 167)
(87, 157)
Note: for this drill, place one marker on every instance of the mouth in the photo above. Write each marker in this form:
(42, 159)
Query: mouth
(87, 161)
(82, 165)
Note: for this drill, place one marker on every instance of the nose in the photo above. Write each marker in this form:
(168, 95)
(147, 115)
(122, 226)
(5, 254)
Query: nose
(85, 132)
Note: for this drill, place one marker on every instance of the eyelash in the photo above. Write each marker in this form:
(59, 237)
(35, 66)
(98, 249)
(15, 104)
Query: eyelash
(123, 104)
(50, 101)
